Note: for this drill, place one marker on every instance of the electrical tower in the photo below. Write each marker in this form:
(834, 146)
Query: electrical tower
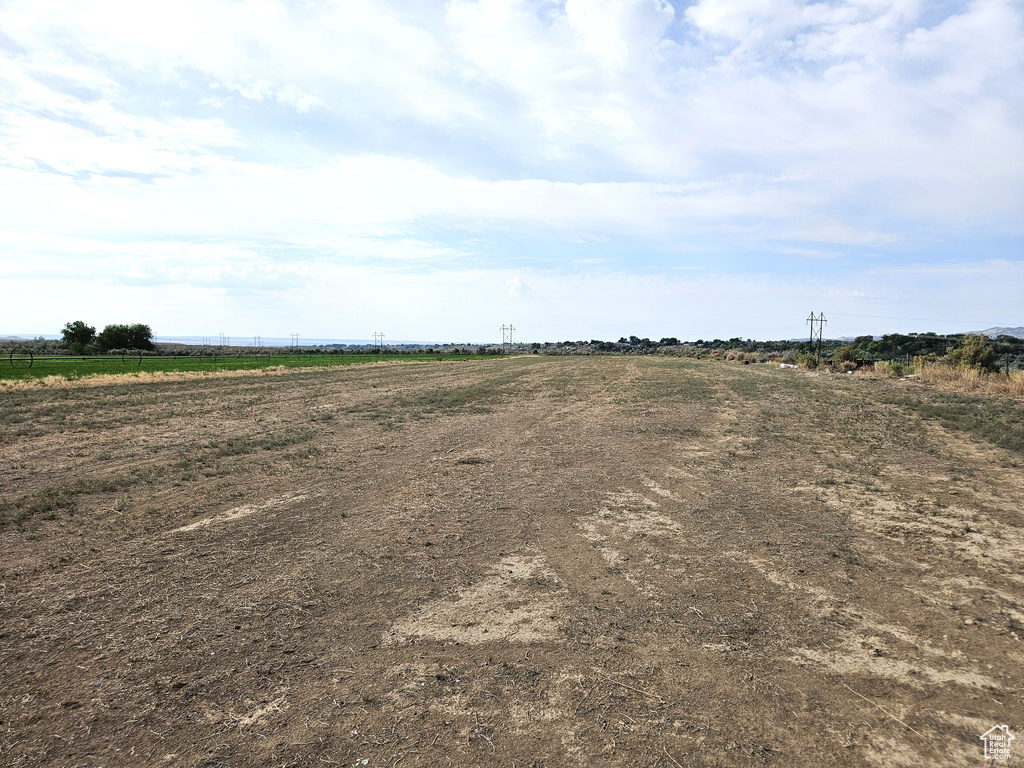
(378, 340)
(295, 341)
(506, 336)
(817, 334)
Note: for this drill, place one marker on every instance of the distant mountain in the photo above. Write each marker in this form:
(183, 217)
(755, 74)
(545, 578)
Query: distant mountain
(993, 332)
(847, 339)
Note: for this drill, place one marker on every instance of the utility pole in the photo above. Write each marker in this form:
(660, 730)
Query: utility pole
(821, 321)
(295, 341)
(506, 336)
(378, 340)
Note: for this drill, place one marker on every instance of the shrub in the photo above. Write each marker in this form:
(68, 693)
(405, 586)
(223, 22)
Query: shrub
(845, 354)
(808, 360)
(892, 368)
(975, 353)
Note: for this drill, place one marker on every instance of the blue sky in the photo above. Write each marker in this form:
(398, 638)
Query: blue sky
(580, 169)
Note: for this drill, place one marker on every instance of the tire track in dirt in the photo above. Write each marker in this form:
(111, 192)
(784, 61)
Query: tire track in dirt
(868, 645)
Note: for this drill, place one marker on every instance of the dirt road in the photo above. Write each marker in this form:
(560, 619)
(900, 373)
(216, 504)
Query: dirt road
(530, 562)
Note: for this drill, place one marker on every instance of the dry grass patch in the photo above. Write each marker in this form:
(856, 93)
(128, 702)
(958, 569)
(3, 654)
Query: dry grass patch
(972, 380)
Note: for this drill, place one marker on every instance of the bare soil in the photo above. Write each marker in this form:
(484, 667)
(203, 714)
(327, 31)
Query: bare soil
(529, 562)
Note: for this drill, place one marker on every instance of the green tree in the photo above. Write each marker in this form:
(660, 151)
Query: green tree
(975, 353)
(137, 336)
(845, 354)
(78, 336)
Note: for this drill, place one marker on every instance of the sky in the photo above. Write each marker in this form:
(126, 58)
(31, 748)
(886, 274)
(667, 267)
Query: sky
(578, 169)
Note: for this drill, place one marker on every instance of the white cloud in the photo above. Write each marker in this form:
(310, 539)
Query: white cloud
(516, 286)
(182, 142)
(584, 89)
(419, 289)
(370, 195)
(813, 254)
(302, 56)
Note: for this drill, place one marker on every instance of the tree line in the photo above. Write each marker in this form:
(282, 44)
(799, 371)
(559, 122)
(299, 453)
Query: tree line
(82, 338)
(957, 350)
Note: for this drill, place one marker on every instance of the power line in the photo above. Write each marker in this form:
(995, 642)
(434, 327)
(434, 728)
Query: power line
(821, 321)
(917, 319)
(506, 336)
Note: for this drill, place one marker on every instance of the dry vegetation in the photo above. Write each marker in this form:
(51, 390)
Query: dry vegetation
(531, 562)
(972, 380)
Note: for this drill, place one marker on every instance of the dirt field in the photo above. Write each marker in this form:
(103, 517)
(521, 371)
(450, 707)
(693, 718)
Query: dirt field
(529, 562)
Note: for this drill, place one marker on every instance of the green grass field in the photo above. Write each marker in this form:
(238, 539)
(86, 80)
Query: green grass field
(69, 367)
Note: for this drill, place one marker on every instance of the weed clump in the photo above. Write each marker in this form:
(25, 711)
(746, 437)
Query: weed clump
(891, 368)
(44, 504)
(808, 360)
